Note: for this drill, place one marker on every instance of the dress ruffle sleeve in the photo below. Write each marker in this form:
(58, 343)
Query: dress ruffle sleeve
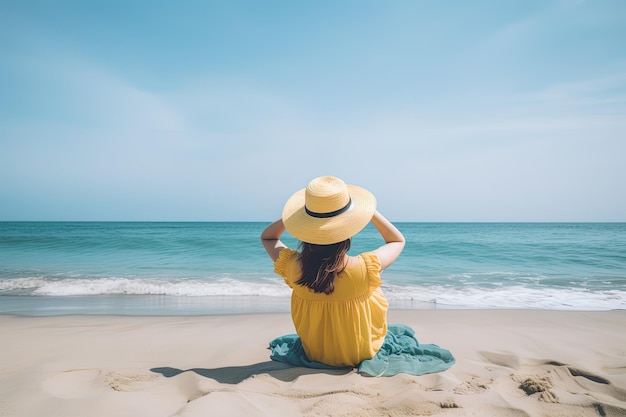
(280, 264)
(372, 264)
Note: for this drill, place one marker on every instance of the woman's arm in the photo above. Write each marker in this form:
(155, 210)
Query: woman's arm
(271, 238)
(394, 241)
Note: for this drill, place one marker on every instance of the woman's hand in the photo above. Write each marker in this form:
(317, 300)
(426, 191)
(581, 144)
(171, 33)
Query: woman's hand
(271, 239)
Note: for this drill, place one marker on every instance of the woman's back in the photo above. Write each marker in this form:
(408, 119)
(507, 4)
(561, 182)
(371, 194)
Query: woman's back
(347, 326)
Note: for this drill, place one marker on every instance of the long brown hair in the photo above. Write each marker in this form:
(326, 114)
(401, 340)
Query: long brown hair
(321, 264)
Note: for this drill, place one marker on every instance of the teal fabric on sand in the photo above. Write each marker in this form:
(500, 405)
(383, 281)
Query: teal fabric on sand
(400, 353)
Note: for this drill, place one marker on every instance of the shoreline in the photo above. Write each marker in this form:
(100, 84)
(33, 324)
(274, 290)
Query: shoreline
(164, 305)
(168, 305)
(509, 362)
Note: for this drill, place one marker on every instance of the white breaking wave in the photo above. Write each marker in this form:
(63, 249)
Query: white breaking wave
(142, 286)
(511, 297)
(444, 296)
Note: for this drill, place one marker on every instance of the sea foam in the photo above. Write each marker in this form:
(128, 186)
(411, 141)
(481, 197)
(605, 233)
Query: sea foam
(431, 295)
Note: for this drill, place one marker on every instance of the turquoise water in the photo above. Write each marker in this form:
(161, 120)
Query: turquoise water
(207, 268)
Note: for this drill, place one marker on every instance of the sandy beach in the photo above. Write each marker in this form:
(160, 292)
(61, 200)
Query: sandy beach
(509, 363)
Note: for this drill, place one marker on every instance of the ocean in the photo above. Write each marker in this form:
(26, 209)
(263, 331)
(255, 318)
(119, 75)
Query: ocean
(178, 268)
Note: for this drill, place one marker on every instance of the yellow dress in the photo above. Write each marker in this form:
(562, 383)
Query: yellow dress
(345, 327)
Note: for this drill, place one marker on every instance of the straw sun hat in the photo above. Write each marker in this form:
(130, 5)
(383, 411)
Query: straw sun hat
(328, 211)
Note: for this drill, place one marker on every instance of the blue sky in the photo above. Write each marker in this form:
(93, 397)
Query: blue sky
(220, 110)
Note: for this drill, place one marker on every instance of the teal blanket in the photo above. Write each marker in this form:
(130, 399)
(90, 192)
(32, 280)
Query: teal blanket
(400, 353)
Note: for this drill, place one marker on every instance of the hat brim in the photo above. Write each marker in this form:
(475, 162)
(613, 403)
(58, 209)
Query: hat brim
(326, 231)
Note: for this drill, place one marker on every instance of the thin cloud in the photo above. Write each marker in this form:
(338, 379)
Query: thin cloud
(608, 89)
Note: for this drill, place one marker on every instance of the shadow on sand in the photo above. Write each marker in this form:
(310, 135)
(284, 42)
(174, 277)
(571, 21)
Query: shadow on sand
(236, 374)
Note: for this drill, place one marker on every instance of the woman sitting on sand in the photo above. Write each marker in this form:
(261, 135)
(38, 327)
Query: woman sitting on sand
(337, 306)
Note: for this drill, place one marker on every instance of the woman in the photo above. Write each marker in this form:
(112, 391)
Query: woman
(337, 306)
